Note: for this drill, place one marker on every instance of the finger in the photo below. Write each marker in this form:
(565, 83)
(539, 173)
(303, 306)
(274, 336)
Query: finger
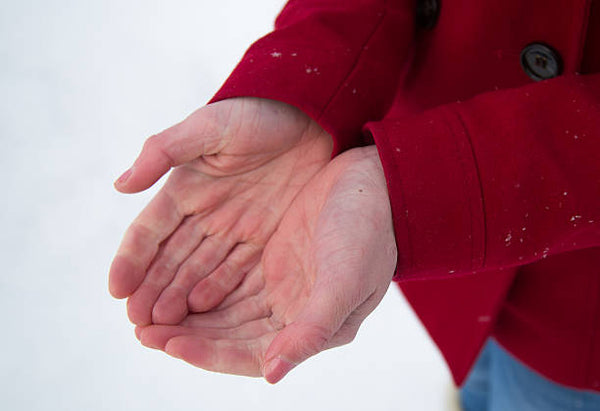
(170, 256)
(138, 332)
(349, 329)
(244, 311)
(241, 357)
(310, 333)
(252, 284)
(140, 244)
(157, 336)
(199, 134)
(211, 291)
(172, 305)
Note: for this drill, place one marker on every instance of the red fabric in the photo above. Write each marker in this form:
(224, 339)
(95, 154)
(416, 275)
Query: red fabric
(325, 57)
(494, 180)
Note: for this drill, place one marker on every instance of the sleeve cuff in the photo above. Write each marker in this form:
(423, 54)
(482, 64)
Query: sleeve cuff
(340, 66)
(435, 194)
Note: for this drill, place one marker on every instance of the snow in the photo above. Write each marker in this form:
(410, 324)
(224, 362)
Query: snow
(545, 252)
(84, 83)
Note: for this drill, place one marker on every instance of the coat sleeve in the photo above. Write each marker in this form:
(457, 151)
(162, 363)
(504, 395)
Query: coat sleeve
(338, 61)
(499, 181)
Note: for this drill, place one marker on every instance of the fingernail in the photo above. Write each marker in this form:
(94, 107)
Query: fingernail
(124, 176)
(276, 369)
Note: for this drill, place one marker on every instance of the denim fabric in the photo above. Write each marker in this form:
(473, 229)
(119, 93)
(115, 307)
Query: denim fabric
(498, 382)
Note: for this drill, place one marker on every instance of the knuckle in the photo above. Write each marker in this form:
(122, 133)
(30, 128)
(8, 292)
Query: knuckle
(162, 143)
(315, 341)
(214, 125)
(152, 142)
(159, 273)
(347, 337)
(188, 273)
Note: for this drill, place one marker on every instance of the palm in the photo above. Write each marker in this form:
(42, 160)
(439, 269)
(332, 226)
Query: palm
(324, 270)
(207, 226)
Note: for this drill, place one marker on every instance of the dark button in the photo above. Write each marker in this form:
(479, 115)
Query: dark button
(541, 61)
(427, 13)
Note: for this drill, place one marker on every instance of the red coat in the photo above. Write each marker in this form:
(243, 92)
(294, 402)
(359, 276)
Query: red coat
(494, 178)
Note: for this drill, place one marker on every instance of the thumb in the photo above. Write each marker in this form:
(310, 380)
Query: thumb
(308, 335)
(199, 134)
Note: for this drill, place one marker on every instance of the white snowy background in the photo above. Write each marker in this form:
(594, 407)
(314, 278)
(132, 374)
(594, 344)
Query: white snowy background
(83, 83)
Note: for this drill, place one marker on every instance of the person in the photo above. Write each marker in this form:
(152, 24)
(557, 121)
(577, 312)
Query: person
(465, 138)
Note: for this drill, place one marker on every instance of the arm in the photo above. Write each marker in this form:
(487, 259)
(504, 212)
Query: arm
(502, 180)
(339, 62)
(239, 142)
(335, 63)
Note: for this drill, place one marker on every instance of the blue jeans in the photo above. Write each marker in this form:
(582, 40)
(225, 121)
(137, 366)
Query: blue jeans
(498, 382)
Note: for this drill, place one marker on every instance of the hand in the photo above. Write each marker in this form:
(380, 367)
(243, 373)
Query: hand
(238, 165)
(324, 270)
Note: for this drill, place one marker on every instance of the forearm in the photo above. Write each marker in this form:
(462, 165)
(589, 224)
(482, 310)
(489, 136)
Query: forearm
(339, 62)
(501, 180)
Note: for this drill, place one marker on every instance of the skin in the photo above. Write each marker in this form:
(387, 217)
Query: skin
(237, 165)
(323, 252)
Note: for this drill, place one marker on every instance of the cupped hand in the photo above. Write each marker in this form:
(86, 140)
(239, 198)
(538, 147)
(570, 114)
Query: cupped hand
(323, 271)
(238, 164)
